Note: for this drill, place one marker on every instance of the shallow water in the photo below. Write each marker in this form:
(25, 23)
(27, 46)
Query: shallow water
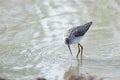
(31, 43)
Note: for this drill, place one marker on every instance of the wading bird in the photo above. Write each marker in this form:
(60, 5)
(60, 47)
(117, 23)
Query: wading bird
(74, 35)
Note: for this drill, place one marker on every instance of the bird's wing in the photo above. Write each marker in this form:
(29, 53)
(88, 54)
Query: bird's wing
(78, 32)
(81, 30)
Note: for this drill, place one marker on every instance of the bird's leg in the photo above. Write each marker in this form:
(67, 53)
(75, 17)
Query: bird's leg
(80, 50)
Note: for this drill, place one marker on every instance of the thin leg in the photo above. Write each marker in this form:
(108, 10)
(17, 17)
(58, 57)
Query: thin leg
(81, 51)
(78, 51)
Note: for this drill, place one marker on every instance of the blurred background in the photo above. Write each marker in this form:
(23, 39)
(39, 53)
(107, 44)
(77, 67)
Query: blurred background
(31, 38)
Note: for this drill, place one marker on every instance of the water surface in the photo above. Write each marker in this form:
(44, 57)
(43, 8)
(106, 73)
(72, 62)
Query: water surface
(31, 38)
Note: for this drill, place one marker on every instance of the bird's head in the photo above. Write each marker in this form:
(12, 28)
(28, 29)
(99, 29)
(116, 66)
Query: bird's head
(67, 42)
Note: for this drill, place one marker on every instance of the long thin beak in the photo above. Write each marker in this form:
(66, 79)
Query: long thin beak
(70, 49)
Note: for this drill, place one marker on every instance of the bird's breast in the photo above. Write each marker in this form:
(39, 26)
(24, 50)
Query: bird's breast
(75, 40)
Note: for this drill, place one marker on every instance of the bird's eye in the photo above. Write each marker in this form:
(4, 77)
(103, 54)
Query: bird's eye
(66, 41)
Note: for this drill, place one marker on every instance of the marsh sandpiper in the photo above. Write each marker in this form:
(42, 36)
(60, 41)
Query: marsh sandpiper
(74, 35)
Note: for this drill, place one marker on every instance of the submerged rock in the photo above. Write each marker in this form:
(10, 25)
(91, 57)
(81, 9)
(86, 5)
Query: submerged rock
(2, 79)
(39, 78)
(83, 77)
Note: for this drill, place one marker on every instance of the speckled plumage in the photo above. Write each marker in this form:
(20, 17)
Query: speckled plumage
(74, 35)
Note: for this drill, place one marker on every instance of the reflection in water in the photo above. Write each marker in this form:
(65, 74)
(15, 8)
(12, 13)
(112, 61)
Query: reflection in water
(74, 73)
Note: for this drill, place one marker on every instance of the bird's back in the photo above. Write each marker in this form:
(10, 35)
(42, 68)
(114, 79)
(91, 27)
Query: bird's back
(78, 30)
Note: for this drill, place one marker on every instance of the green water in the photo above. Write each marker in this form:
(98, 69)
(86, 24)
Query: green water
(31, 38)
